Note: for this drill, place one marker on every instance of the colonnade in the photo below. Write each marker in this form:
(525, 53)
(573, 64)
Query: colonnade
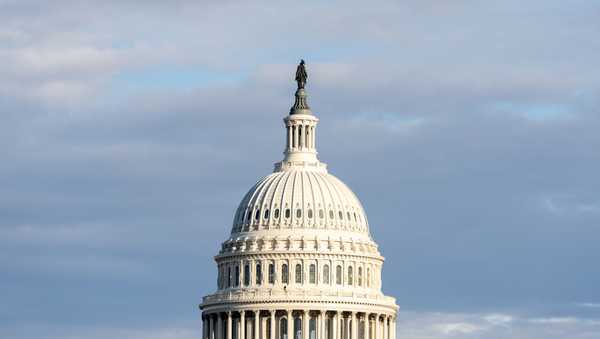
(304, 324)
(301, 137)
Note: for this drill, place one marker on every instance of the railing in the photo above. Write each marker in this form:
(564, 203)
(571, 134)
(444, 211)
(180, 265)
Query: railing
(257, 295)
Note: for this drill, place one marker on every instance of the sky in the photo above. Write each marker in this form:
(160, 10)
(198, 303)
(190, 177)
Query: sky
(130, 130)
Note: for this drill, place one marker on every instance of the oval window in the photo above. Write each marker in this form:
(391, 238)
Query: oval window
(276, 214)
(287, 213)
(298, 213)
(266, 214)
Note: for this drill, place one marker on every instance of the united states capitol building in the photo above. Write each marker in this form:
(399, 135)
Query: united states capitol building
(300, 262)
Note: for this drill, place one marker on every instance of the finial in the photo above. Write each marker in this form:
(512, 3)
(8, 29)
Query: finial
(300, 104)
(301, 75)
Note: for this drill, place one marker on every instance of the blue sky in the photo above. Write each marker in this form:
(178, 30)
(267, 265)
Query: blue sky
(131, 130)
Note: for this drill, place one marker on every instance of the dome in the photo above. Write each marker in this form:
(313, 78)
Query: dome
(299, 198)
(300, 262)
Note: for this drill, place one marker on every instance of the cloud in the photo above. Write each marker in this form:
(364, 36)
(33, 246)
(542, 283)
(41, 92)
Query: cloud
(468, 134)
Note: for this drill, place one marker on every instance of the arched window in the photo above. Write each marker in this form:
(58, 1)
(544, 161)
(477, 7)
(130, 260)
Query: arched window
(282, 328)
(276, 214)
(355, 216)
(338, 275)
(267, 214)
(249, 216)
(350, 277)
(287, 213)
(312, 274)
(309, 214)
(360, 276)
(368, 277)
(257, 215)
(330, 214)
(246, 274)
(219, 277)
(285, 274)
(341, 215)
(326, 274)
(298, 274)
(348, 215)
(321, 214)
(229, 276)
(237, 276)
(271, 273)
(258, 274)
(298, 213)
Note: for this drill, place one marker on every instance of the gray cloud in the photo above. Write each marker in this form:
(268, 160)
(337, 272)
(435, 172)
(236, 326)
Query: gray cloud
(469, 132)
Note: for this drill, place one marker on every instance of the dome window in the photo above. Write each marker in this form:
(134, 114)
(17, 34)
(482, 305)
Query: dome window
(229, 276)
(360, 276)
(285, 274)
(312, 274)
(355, 217)
(321, 214)
(341, 215)
(368, 277)
(348, 215)
(237, 276)
(271, 273)
(258, 274)
(276, 213)
(298, 273)
(267, 214)
(330, 214)
(338, 275)
(326, 274)
(246, 274)
(249, 216)
(298, 213)
(310, 214)
(287, 213)
(350, 276)
(257, 215)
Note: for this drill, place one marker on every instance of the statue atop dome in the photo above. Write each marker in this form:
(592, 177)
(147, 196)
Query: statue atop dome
(301, 75)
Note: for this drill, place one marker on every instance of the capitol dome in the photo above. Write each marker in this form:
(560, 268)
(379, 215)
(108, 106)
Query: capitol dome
(300, 262)
(304, 199)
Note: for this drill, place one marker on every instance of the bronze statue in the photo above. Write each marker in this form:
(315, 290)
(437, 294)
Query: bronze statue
(301, 75)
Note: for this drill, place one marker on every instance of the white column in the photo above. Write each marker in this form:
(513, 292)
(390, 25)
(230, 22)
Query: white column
(377, 327)
(367, 329)
(257, 324)
(322, 331)
(295, 131)
(334, 330)
(305, 328)
(242, 325)
(273, 327)
(219, 326)
(354, 326)
(229, 334)
(290, 324)
(385, 327)
(289, 137)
